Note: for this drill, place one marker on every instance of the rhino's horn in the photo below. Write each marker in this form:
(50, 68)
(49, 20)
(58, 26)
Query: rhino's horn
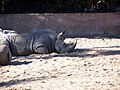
(72, 46)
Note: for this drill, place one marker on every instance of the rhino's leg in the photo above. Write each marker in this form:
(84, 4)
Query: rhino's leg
(41, 50)
(5, 55)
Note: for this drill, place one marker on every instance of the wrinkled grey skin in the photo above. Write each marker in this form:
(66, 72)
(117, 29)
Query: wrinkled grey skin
(40, 41)
(35, 42)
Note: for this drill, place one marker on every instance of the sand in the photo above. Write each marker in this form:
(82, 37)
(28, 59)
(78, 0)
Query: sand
(94, 65)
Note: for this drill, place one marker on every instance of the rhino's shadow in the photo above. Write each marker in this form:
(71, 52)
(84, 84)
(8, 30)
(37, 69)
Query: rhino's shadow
(85, 53)
(20, 63)
(80, 53)
(76, 53)
(18, 81)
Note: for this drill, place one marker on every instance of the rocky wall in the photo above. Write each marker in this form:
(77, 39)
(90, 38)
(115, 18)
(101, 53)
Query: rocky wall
(76, 24)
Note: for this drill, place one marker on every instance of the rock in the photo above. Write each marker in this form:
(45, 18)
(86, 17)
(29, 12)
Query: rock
(5, 55)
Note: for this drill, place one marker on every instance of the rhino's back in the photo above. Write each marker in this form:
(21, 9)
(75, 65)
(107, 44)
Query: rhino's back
(24, 44)
(20, 44)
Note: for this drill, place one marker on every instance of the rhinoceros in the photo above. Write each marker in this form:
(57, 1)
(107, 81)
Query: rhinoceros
(40, 42)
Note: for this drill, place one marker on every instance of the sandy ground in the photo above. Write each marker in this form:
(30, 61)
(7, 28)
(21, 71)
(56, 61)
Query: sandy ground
(95, 65)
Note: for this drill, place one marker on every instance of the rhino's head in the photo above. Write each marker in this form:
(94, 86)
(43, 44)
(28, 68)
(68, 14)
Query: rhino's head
(61, 46)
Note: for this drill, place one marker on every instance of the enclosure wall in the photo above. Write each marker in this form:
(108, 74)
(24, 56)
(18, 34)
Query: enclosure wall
(76, 24)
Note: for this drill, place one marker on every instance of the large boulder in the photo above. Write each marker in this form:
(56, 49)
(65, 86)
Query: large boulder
(5, 55)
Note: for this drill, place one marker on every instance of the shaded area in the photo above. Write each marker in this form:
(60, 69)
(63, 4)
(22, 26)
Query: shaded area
(101, 36)
(80, 53)
(85, 53)
(20, 63)
(109, 47)
(57, 6)
(17, 81)
(110, 52)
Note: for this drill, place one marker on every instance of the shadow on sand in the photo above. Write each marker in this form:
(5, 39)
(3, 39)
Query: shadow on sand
(86, 53)
(17, 81)
(20, 63)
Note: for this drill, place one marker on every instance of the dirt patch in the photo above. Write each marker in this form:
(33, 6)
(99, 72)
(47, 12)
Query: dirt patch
(95, 65)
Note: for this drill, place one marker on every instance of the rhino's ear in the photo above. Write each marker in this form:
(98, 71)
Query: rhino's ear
(63, 32)
(60, 41)
(61, 36)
